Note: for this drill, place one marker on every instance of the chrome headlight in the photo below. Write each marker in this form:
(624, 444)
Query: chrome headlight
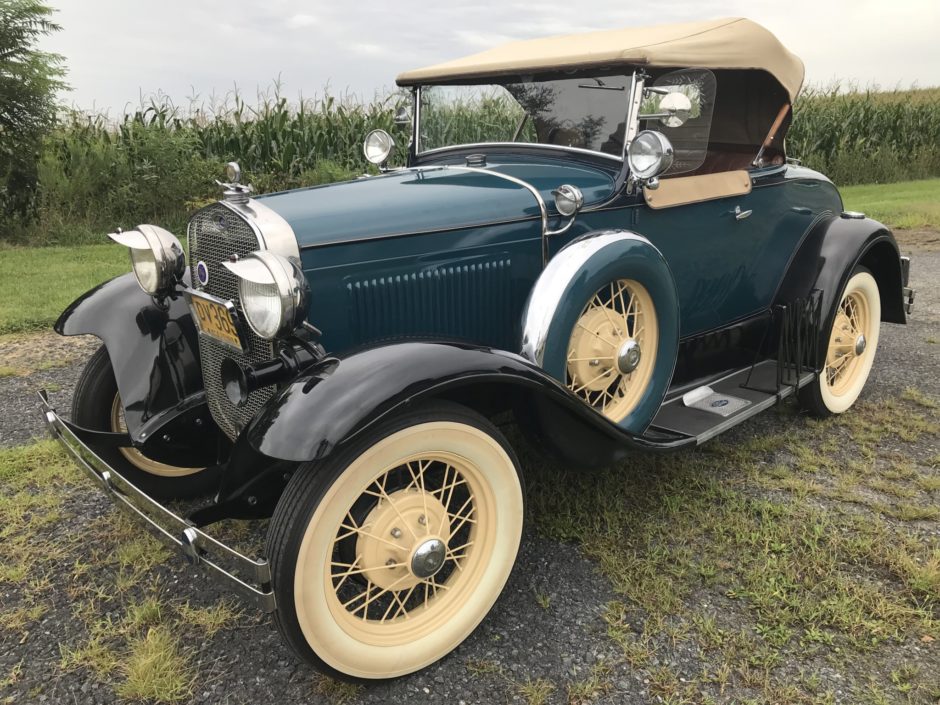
(157, 257)
(650, 154)
(273, 292)
(377, 146)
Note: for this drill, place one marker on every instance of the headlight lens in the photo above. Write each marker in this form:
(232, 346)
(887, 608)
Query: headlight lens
(262, 305)
(377, 146)
(157, 257)
(650, 154)
(273, 292)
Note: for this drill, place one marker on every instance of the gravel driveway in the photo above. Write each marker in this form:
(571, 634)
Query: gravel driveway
(548, 623)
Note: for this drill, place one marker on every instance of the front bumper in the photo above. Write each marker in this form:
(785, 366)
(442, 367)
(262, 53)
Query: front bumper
(249, 577)
(907, 293)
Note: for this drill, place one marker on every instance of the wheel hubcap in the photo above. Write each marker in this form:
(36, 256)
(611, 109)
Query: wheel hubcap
(629, 356)
(428, 558)
(847, 343)
(396, 548)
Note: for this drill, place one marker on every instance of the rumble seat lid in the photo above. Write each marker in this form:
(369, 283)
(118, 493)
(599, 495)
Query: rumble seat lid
(727, 43)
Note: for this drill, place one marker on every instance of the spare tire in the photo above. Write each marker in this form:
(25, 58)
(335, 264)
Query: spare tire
(603, 319)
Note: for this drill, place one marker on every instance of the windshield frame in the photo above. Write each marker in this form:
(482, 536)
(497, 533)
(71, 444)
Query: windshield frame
(630, 124)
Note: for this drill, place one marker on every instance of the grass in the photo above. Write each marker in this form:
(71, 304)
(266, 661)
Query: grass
(156, 669)
(804, 550)
(37, 284)
(852, 576)
(907, 205)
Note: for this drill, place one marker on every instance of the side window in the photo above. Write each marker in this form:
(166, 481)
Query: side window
(689, 137)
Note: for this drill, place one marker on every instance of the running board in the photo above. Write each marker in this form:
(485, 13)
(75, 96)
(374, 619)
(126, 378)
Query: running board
(703, 413)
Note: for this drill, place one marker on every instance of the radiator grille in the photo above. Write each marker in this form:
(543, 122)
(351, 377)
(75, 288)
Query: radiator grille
(215, 233)
(470, 301)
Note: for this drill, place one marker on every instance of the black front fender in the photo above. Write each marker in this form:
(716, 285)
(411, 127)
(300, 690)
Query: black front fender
(153, 349)
(337, 399)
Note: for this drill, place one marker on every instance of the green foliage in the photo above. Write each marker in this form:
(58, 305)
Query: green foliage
(159, 163)
(860, 137)
(29, 79)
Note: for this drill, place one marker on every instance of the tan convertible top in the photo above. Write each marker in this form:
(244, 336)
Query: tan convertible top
(728, 43)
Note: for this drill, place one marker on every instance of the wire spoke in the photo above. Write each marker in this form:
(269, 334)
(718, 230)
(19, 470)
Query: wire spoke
(597, 335)
(360, 571)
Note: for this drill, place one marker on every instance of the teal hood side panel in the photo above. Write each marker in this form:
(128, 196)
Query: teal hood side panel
(426, 201)
(469, 285)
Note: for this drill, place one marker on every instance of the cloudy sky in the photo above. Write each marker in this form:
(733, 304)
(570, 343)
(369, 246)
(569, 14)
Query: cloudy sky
(117, 50)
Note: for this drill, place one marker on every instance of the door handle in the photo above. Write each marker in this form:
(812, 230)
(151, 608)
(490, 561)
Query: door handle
(741, 215)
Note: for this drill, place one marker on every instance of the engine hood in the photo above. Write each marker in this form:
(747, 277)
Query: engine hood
(428, 200)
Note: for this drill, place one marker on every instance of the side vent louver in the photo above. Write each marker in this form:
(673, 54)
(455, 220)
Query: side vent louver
(471, 301)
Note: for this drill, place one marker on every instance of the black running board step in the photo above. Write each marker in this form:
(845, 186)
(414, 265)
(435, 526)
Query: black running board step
(730, 397)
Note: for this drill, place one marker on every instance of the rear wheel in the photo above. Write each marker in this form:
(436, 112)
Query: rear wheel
(387, 555)
(96, 405)
(850, 354)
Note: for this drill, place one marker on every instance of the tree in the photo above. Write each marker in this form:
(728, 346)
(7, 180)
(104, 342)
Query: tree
(29, 79)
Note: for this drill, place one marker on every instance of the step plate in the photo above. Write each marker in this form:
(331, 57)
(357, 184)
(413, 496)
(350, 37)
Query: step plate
(721, 404)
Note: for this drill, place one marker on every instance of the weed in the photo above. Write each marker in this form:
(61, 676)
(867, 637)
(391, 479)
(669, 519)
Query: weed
(336, 692)
(211, 619)
(156, 669)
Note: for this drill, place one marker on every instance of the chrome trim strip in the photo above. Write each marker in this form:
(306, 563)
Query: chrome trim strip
(543, 209)
(475, 145)
(546, 295)
(198, 546)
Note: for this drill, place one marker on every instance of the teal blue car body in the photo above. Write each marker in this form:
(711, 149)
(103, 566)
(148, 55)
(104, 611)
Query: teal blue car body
(418, 225)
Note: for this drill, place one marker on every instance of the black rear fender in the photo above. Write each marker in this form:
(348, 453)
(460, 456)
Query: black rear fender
(829, 254)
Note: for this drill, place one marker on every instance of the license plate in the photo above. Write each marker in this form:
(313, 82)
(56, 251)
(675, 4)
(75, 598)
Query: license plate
(215, 320)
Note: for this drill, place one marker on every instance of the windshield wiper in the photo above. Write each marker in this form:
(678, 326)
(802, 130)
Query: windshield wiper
(601, 86)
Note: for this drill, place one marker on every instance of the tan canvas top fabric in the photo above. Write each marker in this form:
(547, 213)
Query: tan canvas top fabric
(728, 43)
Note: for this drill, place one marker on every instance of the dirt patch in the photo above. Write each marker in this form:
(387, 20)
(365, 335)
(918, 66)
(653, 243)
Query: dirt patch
(923, 240)
(23, 354)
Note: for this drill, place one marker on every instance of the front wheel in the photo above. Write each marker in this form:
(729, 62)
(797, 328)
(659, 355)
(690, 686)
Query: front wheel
(387, 555)
(850, 354)
(96, 405)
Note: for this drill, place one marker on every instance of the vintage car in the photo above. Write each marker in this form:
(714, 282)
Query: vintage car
(622, 258)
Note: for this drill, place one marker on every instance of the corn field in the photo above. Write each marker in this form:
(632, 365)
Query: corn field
(159, 163)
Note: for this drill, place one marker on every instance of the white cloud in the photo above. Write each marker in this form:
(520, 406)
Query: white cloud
(300, 21)
(181, 47)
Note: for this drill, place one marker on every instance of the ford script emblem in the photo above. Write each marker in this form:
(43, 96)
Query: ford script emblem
(202, 273)
(719, 403)
(222, 222)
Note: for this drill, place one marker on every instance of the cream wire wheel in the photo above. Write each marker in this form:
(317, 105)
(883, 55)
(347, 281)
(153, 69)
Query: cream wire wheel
(612, 351)
(138, 459)
(403, 553)
(97, 405)
(853, 340)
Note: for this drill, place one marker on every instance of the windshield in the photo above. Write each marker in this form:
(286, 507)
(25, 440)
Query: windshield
(588, 112)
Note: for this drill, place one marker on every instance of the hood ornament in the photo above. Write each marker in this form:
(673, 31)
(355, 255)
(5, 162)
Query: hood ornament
(233, 190)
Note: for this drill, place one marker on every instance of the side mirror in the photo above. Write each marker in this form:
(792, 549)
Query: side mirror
(672, 110)
(402, 116)
(677, 108)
